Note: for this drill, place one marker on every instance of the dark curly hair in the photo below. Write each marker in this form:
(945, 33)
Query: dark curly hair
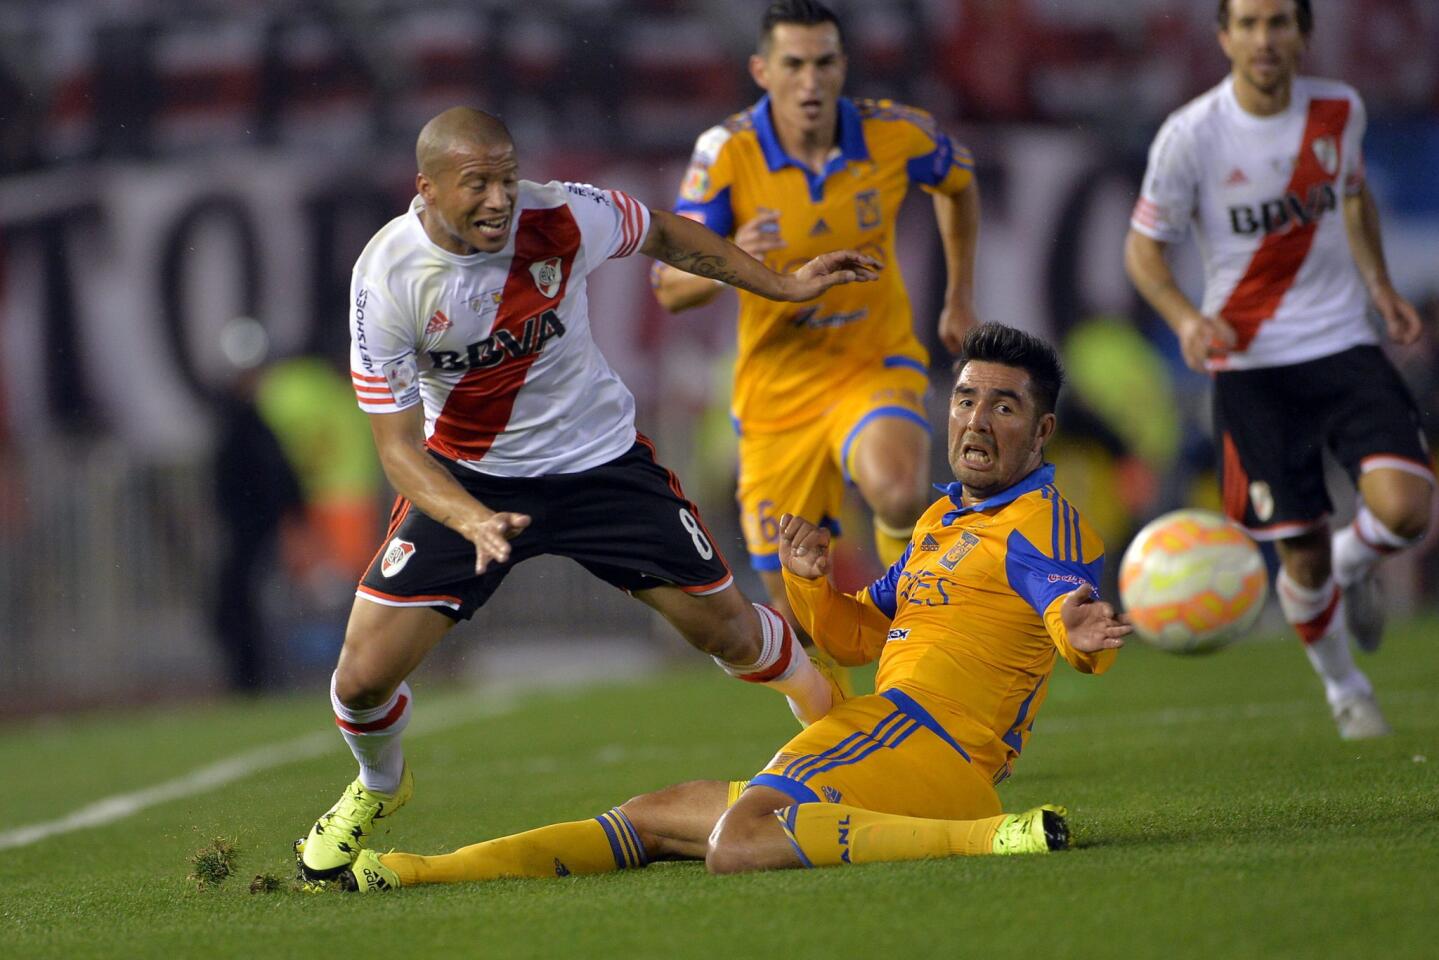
(1012, 347)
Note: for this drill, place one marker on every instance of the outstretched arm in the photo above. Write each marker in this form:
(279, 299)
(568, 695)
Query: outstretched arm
(696, 249)
(1086, 630)
(677, 290)
(957, 215)
(416, 476)
(1361, 222)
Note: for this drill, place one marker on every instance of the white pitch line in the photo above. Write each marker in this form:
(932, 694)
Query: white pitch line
(238, 767)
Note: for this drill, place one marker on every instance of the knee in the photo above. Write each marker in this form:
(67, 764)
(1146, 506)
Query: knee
(1407, 518)
(898, 504)
(732, 635)
(733, 847)
(360, 686)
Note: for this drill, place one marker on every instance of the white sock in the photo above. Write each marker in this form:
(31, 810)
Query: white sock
(374, 737)
(784, 666)
(1360, 546)
(1317, 616)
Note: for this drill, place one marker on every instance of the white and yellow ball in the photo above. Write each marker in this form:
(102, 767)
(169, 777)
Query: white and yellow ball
(1192, 581)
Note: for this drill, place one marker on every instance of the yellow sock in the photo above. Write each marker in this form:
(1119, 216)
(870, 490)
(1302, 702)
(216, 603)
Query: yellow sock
(827, 834)
(890, 542)
(607, 842)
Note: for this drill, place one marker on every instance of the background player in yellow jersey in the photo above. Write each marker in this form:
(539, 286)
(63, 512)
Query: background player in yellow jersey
(831, 390)
(996, 585)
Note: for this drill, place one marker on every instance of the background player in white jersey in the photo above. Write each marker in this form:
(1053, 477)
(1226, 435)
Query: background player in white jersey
(1269, 168)
(507, 435)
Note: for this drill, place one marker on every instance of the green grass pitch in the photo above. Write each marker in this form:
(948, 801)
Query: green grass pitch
(1216, 814)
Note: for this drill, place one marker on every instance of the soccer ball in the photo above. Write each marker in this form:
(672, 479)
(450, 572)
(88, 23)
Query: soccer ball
(1192, 581)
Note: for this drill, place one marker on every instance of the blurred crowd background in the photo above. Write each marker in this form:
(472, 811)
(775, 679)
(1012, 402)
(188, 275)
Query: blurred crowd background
(187, 490)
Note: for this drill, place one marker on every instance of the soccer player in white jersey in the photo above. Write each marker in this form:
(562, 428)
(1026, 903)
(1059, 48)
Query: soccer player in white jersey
(1268, 166)
(507, 435)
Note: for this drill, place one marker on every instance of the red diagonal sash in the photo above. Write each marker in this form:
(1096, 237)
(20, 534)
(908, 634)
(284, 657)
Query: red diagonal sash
(1276, 263)
(478, 408)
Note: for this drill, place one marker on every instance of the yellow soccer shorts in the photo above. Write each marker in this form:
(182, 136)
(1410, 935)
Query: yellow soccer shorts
(804, 470)
(884, 752)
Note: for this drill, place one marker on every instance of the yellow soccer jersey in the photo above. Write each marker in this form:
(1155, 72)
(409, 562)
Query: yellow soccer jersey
(968, 619)
(739, 168)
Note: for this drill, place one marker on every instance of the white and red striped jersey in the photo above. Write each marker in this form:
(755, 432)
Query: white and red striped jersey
(497, 346)
(1264, 195)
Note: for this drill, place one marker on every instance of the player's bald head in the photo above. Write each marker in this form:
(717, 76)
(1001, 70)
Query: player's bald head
(457, 132)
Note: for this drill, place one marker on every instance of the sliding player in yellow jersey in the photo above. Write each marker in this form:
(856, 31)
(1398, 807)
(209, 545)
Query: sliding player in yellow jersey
(830, 391)
(997, 584)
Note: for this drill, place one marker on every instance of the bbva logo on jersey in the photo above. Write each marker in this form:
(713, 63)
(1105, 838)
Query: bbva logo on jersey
(1277, 216)
(502, 345)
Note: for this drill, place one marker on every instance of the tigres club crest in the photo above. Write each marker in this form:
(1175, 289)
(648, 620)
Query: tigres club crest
(397, 554)
(548, 275)
(967, 542)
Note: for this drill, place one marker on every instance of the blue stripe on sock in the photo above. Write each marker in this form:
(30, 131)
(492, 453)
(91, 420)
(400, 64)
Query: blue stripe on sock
(631, 844)
(634, 835)
(614, 842)
(789, 835)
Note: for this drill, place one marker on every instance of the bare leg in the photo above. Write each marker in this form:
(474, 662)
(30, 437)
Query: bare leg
(675, 823)
(889, 462)
(382, 646)
(749, 837)
(750, 642)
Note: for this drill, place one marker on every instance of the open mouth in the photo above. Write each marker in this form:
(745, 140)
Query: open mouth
(494, 228)
(811, 108)
(975, 456)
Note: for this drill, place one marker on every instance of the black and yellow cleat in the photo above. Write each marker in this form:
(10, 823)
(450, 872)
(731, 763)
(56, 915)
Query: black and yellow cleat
(338, 837)
(1040, 830)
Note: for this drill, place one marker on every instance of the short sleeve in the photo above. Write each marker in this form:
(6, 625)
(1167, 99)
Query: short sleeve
(612, 223)
(383, 368)
(1169, 195)
(705, 192)
(937, 162)
(1353, 148)
(1041, 578)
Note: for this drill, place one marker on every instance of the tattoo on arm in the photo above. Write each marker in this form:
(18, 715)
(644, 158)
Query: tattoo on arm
(710, 265)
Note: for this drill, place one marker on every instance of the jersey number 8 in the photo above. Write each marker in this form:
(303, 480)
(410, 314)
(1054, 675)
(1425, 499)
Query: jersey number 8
(697, 534)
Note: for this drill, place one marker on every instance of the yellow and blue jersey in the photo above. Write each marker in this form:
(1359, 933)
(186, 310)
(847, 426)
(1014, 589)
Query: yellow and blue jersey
(967, 620)
(739, 168)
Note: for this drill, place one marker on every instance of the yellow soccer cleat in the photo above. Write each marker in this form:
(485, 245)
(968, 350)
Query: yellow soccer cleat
(368, 875)
(1034, 831)
(339, 835)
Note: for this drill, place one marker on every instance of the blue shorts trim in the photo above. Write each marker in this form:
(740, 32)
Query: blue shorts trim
(900, 413)
(912, 709)
(908, 362)
(793, 789)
